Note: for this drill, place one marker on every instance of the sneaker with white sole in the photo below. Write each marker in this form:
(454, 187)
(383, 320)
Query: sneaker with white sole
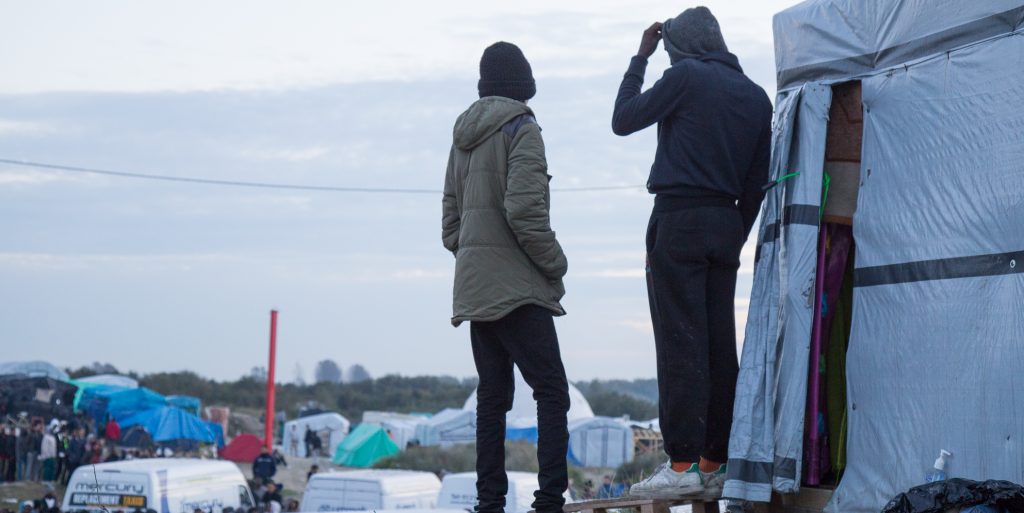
(666, 483)
(714, 481)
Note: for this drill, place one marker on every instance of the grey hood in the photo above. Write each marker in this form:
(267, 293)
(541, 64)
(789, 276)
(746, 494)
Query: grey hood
(485, 117)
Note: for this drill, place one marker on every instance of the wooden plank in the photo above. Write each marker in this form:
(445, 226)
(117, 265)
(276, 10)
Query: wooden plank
(708, 503)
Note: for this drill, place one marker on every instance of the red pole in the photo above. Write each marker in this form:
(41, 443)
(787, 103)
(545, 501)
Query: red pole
(268, 431)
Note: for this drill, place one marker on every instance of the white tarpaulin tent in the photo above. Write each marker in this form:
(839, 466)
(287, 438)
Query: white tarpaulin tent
(401, 426)
(114, 380)
(33, 369)
(450, 426)
(330, 427)
(936, 337)
(600, 442)
(523, 414)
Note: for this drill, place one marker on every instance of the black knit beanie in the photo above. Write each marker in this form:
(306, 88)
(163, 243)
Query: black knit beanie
(504, 71)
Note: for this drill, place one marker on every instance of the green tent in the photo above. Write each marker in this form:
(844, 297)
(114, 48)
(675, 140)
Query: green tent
(364, 446)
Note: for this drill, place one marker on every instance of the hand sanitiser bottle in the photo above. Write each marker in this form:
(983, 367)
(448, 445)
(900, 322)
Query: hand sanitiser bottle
(938, 471)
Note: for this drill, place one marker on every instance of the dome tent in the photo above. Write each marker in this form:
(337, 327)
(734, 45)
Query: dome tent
(364, 446)
(521, 421)
(450, 426)
(243, 448)
(330, 427)
(600, 442)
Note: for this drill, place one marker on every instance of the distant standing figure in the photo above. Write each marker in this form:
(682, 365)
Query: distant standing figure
(113, 430)
(308, 438)
(317, 445)
(312, 470)
(293, 441)
(263, 467)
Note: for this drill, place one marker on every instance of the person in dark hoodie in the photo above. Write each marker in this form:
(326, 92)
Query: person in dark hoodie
(714, 139)
(508, 272)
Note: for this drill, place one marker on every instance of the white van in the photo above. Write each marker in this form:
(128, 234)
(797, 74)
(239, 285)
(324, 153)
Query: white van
(458, 491)
(370, 490)
(167, 485)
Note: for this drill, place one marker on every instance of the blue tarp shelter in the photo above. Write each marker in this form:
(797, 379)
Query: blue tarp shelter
(218, 432)
(101, 402)
(168, 424)
(186, 402)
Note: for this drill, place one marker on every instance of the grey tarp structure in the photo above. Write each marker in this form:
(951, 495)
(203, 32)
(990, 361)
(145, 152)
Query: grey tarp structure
(937, 337)
(767, 437)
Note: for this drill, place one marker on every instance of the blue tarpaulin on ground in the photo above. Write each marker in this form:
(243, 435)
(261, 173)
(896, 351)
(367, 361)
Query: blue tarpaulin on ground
(168, 423)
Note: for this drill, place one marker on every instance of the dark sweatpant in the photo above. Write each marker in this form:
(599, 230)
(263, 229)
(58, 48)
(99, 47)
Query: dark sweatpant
(525, 337)
(692, 257)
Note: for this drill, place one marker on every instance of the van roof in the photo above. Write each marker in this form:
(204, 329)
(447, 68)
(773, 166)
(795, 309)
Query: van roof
(179, 465)
(512, 476)
(391, 481)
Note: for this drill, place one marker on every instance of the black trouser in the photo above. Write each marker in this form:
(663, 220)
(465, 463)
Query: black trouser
(693, 251)
(525, 337)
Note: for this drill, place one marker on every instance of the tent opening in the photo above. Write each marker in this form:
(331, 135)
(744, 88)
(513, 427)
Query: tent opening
(826, 423)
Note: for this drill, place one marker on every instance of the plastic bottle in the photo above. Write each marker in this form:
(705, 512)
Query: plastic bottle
(938, 471)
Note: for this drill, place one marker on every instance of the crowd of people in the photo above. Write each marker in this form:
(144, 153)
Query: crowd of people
(32, 449)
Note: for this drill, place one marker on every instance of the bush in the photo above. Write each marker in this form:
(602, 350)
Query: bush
(520, 456)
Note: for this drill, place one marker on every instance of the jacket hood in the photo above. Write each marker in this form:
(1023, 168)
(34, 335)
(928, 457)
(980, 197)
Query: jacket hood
(485, 117)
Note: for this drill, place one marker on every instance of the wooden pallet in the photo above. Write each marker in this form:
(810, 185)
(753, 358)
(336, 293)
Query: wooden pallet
(700, 504)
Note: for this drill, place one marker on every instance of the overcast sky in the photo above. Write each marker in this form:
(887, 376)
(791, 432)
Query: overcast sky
(159, 276)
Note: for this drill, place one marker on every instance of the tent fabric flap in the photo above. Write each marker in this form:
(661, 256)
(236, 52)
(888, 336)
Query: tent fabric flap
(168, 423)
(766, 443)
(937, 336)
(827, 39)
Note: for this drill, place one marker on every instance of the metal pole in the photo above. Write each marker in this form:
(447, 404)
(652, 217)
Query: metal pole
(268, 431)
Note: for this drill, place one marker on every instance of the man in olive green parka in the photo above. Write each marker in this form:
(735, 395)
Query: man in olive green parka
(508, 272)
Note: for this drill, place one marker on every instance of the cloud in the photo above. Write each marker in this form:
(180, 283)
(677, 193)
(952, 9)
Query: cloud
(18, 177)
(286, 154)
(10, 127)
(625, 272)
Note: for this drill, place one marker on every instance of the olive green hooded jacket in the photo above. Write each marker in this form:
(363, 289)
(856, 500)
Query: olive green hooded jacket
(496, 214)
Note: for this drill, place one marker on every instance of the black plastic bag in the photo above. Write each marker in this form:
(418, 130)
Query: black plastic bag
(939, 496)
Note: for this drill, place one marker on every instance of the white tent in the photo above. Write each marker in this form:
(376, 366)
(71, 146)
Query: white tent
(450, 426)
(600, 442)
(524, 409)
(112, 380)
(35, 369)
(330, 427)
(401, 426)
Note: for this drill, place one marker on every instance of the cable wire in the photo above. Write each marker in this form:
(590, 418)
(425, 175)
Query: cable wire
(269, 185)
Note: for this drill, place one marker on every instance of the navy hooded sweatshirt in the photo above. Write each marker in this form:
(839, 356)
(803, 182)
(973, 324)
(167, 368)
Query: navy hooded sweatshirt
(714, 129)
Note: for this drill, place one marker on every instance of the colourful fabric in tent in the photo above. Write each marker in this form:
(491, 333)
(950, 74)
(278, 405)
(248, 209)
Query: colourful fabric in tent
(364, 446)
(186, 402)
(243, 448)
(168, 423)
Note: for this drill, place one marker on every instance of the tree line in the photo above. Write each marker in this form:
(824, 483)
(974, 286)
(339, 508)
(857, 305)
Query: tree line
(405, 394)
